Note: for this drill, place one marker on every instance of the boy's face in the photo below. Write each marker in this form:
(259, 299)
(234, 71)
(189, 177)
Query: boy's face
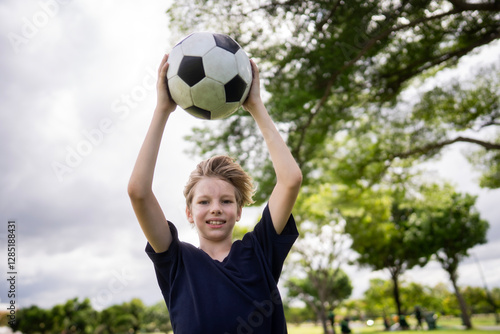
(214, 210)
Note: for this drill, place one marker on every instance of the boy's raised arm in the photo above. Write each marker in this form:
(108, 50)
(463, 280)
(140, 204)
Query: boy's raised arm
(288, 173)
(144, 202)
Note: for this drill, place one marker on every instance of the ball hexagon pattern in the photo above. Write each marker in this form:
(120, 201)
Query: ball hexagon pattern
(209, 75)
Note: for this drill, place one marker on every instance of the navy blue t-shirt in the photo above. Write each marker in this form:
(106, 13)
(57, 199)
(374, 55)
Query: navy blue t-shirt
(236, 296)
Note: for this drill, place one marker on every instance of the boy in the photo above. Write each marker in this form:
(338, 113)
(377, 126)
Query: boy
(220, 287)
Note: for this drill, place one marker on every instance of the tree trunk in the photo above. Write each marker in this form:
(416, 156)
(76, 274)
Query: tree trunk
(320, 287)
(461, 301)
(324, 323)
(395, 290)
(323, 318)
(494, 306)
(319, 310)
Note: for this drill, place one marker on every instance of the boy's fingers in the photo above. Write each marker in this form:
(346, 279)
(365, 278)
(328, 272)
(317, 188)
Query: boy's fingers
(163, 61)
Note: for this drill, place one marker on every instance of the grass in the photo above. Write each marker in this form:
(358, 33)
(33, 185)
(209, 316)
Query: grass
(305, 329)
(446, 325)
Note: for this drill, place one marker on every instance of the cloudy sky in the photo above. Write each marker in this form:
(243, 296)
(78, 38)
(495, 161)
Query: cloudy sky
(77, 92)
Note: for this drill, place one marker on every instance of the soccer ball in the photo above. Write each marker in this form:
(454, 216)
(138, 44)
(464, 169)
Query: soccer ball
(209, 75)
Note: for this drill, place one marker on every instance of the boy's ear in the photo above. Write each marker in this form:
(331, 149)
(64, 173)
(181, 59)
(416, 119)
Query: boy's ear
(238, 216)
(189, 215)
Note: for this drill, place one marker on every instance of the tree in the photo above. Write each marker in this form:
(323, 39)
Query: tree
(457, 110)
(321, 290)
(494, 301)
(456, 227)
(386, 234)
(335, 66)
(156, 318)
(33, 319)
(127, 317)
(74, 316)
(378, 298)
(490, 299)
(445, 300)
(298, 315)
(476, 299)
(313, 273)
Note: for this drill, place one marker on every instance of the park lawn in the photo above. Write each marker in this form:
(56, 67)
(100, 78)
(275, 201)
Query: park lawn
(450, 331)
(312, 329)
(477, 321)
(309, 329)
(304, 329)
(446, 325)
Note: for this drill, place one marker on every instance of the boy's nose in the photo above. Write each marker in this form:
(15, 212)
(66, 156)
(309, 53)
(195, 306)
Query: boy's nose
(216, 210)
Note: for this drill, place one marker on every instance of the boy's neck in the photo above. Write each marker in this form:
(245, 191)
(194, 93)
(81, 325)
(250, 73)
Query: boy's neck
(216, 250)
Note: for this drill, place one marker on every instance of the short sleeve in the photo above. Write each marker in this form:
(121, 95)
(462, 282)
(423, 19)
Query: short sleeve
(165, 263)
(172, 249)
(274, 246)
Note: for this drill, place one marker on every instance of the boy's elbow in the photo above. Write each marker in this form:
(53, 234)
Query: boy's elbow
(295, 179)
(136, 191)
(298, 178)
(132, 191)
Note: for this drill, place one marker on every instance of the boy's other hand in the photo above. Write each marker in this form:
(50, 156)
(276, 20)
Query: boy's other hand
(253, 99)
(164, 100)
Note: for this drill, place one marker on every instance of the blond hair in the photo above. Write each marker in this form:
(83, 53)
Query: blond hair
(224, 168)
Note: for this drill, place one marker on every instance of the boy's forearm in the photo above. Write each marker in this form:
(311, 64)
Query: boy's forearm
(288, 173)
(285, 166)
(142, 176)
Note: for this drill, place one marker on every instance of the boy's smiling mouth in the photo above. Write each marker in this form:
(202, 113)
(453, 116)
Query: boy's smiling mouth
(216, 222)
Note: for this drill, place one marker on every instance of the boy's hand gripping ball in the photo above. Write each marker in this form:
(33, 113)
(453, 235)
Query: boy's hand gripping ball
(209, 75)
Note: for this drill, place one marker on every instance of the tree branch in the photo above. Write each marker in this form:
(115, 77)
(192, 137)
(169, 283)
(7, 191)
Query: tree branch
(431, 147)
(328, 88)
(416, 68)
(319, 25)
(493, 6)
(367, 46)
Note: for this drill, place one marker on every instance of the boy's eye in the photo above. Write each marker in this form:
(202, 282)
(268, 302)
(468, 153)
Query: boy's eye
(227, 201)
(203, 202)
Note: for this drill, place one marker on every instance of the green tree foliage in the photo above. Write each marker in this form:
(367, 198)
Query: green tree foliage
(455, 227)
(156, 318)
(386, 233)
(439, 299)
(77, 316)
(494, 301)
(33, 320)
(378, 301)
(458, 110)
(298, 315)
(378, 298)
(74, 316)
(321, 290)
(476, 299)
(405, 226)
(122, 318)
(313, 270)
(344, 67)
(240, 230)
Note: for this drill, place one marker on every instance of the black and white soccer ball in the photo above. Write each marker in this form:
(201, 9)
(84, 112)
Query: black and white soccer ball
(209, 75)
